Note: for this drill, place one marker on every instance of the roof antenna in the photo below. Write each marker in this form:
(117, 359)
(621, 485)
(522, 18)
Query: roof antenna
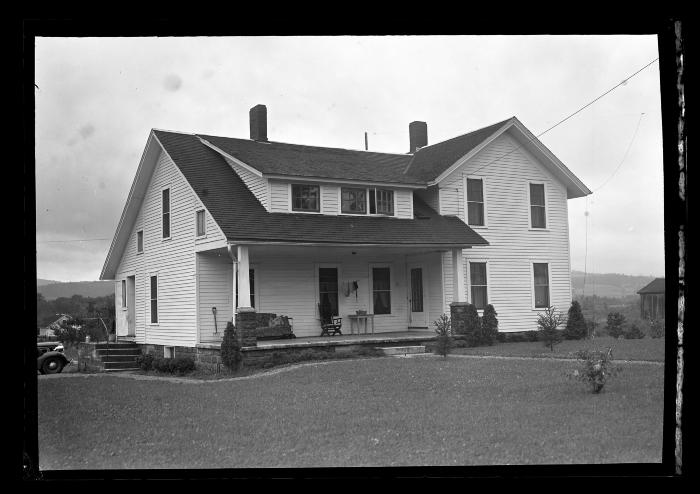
(365, 141)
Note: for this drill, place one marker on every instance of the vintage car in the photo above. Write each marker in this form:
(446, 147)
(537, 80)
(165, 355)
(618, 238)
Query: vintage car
(50, 358)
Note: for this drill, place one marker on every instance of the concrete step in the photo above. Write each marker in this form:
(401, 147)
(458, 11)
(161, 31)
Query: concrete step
(100, 346)
(402, 350)
(119, 365)
(102, 352)
(119, 358)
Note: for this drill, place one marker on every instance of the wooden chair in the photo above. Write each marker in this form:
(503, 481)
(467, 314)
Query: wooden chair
(330, 324)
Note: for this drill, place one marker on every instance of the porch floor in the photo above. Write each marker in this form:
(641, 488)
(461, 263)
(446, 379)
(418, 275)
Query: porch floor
(351, 339)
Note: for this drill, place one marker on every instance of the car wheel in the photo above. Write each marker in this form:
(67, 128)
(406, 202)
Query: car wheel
(52, 365)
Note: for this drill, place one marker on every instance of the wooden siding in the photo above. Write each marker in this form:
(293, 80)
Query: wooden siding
(214, 289)
(257, 185)
(330, 198)
(172, 260)
(513, 244)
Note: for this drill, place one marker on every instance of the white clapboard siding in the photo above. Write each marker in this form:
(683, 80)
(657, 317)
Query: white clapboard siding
(172, 260)
(330, 199)
(215, 289)
(279, 196)
(513, 245)
(257, 185)
(403, 203)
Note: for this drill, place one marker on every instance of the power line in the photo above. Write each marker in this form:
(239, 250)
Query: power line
(74, 240)
(624, 156)
(623, 82)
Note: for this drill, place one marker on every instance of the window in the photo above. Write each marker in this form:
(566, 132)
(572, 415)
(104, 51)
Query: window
(475, 202)
(353, 201)
(169, 351)
(381, 290)
(154, 299)
(541, 278)
(201, 223)
(305, 198)
(166, 213)
(381, 201)
(537, 206)
(251, 278)
(139, 241)
(123, 293)
(478, 283)
(328, 290)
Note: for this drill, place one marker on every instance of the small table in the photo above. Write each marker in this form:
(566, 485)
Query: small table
(356, 318)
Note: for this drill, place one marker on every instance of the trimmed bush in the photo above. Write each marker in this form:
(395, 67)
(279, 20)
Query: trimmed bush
(472, 325)
(616, 324)
(443, 341)
(576, 328)
(548, 323)
(595, 368)
(177, 365)
(230, 348)
(145, 362)
(489, 326)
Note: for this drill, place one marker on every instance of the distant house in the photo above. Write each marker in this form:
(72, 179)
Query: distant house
(219, 225)
(51, 328)
(653, 299)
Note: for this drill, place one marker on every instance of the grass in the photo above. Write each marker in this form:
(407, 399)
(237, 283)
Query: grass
(371, 412)
(649, 349)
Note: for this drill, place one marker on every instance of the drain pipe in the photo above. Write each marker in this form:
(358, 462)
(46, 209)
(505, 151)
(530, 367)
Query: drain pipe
(216, 329)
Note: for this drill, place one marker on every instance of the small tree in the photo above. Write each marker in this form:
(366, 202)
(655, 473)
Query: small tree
(656, 328)
(575, 323)
(489, 325)
(595, 367)
(443, 342)
(616, 324)
(472, 325)
(230, 348)
(548, 324)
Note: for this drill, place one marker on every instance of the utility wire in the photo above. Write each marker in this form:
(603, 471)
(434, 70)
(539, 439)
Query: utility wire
(621, 83)
(624, 156)
(74, 240)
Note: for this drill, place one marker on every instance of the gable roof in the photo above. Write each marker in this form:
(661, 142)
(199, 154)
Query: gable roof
(430, 161)
(294, 160)
(656, 286)
(242, 218)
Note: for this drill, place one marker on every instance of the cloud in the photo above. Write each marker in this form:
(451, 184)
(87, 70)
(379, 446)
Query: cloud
(87, 130)
(172, 82)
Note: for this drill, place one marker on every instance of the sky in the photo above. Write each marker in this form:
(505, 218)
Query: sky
(97, 99)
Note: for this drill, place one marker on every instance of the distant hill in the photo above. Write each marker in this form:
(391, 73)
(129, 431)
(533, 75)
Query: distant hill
(608, 284)
(54, 290)
(40, 282)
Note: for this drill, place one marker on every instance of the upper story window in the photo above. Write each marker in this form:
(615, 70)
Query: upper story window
(475, 202)
(139, 241)
(538, 217)
(166, 213)
(306, 198)
(381, 201)
(353, 201)
(201, 223)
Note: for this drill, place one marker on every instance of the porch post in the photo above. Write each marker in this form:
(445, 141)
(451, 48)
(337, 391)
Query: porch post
(243, 279)
(458, 286)
(233, 291)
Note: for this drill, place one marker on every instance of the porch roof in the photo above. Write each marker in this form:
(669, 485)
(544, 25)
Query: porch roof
(243, 219)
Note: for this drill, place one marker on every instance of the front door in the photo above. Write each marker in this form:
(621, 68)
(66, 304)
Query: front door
(131, 305)
(417, 299)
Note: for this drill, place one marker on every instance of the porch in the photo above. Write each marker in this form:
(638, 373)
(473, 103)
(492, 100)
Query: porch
(400, 287)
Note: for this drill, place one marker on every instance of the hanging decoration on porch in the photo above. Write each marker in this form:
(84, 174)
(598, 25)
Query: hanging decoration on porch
(354, 289)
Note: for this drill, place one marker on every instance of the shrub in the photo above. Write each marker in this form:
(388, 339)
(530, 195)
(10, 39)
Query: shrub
(656, 327)
(616, 324)
(549, 322)
(177, 365)
(633, 332)
(472, 325)
(532, 335)
(595, 368)
(230, 348)
(443, 342)
(576, 328)
(145, 362)
(489, 326)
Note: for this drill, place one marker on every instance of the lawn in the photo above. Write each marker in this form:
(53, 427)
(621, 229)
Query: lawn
(373, 412)
(648, 349)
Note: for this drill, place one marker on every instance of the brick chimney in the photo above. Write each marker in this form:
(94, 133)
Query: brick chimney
(258, 123)
(418, 135)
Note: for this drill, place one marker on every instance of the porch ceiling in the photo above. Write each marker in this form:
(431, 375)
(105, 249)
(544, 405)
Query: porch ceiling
(342, 251)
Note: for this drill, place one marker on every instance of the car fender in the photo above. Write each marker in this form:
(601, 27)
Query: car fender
(40, 360)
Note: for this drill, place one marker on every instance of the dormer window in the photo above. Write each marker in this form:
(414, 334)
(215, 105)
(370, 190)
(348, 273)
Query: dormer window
(381, 201)
(354, 201)
(306, 198)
